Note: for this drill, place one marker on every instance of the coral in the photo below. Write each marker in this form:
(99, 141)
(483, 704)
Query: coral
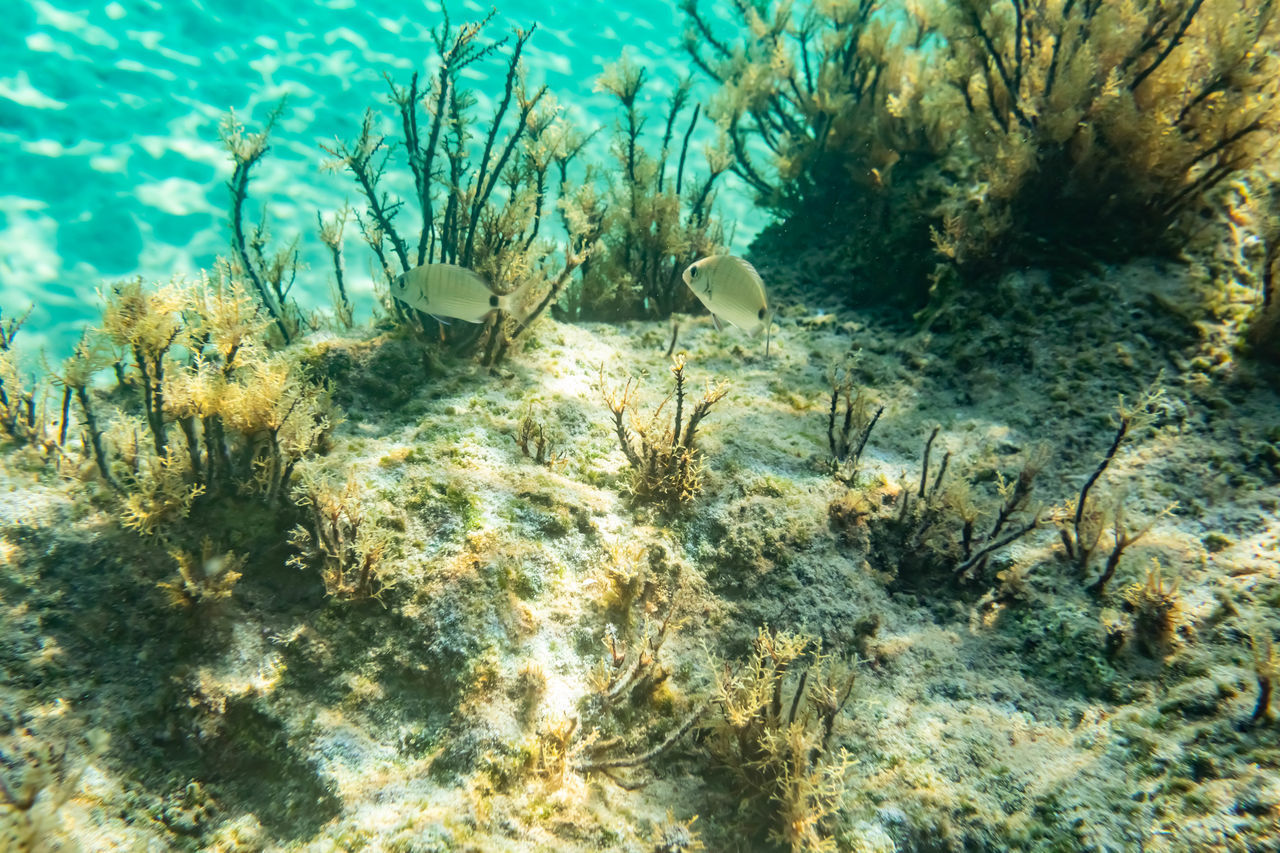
(779, 746)
(666, 463)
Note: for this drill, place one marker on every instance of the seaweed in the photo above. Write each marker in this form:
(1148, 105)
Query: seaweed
(1083, 521)
(341, 538)
(478, 209)
(203, 409)
(23, 420)
(1090, 120)
(938, 529)
(847, 439)
(666, 463)
(659, 217)
(270, 278)
(1265, 666)
(1002, 131)
(1156, 611)
(779, 746)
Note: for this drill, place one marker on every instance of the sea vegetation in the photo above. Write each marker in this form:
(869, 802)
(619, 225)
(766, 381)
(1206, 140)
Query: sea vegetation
(203, 417)
(486, 209)
(537, 440)
(268, 275)
(209, 410)
(994, 132)
(849, 424)
(659, 216)
(1086, 519)
(1156, 611)
(939, 528)
(477, 669)
(37, 779)
(772, 728)
(340, 536)
(22, 419)
(666, 462)
(1266, 666)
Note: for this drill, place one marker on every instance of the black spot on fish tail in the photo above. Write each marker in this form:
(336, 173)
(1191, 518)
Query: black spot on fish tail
(493, 301)
(760, 314)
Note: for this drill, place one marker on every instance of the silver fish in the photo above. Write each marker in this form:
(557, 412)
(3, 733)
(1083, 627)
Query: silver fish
(448, 290)
(732, 290)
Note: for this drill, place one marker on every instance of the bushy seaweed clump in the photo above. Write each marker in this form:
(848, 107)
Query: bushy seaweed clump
(666, 463)
(482, 195)
(22, 420)
(202, 417)
(772, 728)
(658, 215)
(941, 530)
(997, 131)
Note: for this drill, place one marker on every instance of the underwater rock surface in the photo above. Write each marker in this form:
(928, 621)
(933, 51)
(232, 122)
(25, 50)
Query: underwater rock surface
(1015, 711)
(981, 553)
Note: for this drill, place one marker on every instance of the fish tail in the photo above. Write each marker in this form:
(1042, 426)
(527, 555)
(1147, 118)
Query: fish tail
(511, 303)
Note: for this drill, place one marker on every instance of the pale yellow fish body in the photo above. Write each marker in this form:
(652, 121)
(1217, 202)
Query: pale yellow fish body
(448, 290)
(731, 289)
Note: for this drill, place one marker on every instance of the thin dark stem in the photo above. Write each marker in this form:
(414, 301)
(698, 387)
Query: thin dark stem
(1169, 48)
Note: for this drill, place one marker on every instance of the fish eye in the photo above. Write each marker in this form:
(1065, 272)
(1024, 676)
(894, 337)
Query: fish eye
(693, 272)
(760, 314)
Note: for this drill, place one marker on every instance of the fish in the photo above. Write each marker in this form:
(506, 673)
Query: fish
(732, 290)
(453, 292)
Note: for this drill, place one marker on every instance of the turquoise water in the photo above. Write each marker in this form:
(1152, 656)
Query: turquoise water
(109, 120)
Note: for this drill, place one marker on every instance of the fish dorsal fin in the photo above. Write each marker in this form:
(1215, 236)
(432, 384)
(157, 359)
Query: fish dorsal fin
(752, 274)
(751, 270)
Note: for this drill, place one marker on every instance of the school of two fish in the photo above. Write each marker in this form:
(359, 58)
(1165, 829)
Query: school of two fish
(728, 286)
